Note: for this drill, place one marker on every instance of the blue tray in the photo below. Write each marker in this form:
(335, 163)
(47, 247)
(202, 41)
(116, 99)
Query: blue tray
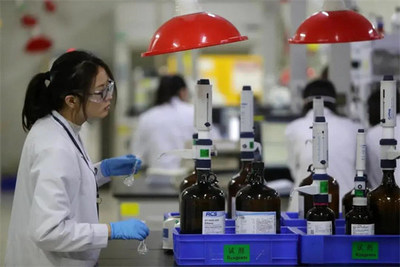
(348, 249)
(236, 249)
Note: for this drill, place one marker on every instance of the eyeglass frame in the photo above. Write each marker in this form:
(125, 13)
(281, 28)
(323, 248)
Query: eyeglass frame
(106, 92)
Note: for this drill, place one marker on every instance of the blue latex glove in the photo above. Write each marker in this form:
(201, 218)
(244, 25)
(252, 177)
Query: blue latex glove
(120, 165)
(129, 229)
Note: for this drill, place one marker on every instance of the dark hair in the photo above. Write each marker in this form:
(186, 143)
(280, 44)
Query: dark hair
(320, 87)
(169, 87)
(73, 73)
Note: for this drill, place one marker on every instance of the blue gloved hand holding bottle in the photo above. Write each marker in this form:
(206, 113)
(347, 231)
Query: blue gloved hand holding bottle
(122, 165)
(129, 229)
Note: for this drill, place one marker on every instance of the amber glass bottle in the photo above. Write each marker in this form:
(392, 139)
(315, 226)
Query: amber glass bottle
(258, 206)
(237, 182)
(385, 205)
(306, 201)
(359, 220)
(320, 218)
(188, 181)
(202, 206)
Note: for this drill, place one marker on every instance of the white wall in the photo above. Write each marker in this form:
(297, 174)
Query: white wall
(80, 24)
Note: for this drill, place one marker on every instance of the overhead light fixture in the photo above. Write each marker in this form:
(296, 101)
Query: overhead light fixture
(335, 24)
(192, 29)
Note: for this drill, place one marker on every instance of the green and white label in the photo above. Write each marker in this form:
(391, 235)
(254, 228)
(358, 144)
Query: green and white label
(236, 253)
(204, 153)
(365, 251)
(323, 187)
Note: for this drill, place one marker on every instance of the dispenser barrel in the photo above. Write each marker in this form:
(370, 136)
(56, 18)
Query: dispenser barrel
(246, 110)
(361, 152)
(203, 106)
(388, 102)
(320, 143)
(318, 107)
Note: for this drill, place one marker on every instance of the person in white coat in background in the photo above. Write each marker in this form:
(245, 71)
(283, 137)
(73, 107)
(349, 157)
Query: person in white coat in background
(54, 217)
(166, 126)
(341, 140)
(373, 136)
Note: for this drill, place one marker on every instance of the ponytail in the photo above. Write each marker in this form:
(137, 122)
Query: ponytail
(37, 101)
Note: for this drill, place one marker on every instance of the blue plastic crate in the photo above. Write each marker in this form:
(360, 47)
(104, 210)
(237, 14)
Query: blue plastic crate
(236, 249)
(348, 249)
(292, 219)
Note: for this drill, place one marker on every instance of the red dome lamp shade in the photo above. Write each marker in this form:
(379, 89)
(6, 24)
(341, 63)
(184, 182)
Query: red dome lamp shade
(38, 44)
(192, 31)
(335, 25)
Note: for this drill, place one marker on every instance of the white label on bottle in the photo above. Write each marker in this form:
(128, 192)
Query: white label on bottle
(213, 222)
(251, 222)
(301, 207)
(319, 228)
(329, 198)
(363, 229)
(233, 205)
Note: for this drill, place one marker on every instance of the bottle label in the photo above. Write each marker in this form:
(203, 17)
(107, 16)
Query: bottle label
(363, 229)
(213, 222)
(233, 205)
(319, 228)
(250, 222)
(301, 207)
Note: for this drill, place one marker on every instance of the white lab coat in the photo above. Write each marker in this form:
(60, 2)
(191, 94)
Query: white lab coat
(54, 217)
(342, 134)
(161, 129)
(374, 171)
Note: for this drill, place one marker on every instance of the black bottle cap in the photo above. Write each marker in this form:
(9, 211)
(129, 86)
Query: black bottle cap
(388, 77)
(360, 130)
(246, 88)
(203, 81)
(319, 119)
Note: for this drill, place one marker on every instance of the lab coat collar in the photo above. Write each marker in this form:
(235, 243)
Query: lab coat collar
(176, 101)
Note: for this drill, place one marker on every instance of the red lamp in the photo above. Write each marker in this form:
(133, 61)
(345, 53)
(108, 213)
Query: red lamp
(39, 43)
(335, 24)
(191, 31)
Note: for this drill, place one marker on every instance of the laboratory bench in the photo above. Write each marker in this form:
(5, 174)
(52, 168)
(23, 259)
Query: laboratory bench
(124, 253)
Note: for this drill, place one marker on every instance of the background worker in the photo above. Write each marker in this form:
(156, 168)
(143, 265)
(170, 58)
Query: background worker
(167, 126)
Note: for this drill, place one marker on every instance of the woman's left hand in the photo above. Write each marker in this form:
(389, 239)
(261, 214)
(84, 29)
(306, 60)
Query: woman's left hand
(122, 165)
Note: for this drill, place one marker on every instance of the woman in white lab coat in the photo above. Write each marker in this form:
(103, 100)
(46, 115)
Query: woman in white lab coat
(341, 141)
(54, 218)
(166, 126)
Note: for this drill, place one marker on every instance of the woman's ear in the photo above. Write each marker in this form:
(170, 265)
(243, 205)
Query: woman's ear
(72, 101)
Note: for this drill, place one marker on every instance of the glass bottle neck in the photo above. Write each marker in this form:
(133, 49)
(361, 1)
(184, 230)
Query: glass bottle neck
(359, 208)
(202, 176)
(388, 177)
(245, 164)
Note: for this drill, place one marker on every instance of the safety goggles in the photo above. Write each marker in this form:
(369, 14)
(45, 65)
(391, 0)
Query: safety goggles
(102, 95)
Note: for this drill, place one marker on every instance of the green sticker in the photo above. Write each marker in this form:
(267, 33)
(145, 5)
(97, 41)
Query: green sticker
(359, 193)
(323, 187)
(251, 144)
(236, 253)
(365, 251)
(204, 153)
